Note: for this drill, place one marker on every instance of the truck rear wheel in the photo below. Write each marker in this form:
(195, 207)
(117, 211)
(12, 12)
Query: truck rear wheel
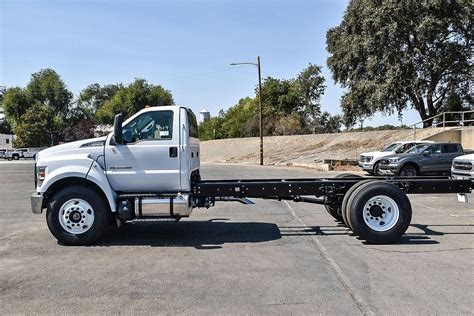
(379, 212)
(77, 215)
(336, 210)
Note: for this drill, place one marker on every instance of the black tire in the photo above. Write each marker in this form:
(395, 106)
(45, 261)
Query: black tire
(96, 229)
(376, 171)
(357, 209)
(346, 199)
(15, 157)
(408, 171)
(336, 210)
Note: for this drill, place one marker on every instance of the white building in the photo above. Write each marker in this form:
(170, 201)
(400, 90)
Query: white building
(6, 141)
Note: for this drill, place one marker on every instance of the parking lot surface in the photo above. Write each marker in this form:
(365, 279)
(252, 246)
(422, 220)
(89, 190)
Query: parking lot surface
(268, 258)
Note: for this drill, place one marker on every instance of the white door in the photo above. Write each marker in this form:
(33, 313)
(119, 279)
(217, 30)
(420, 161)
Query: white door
(148, 161)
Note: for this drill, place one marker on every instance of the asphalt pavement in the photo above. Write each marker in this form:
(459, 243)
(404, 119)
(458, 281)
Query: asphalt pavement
(268, 258)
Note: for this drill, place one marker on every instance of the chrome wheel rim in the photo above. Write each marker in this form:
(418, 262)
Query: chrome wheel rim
(381, 213)
(76, 216)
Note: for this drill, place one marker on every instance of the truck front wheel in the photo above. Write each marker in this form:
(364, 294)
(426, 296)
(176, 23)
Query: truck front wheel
(77, 215)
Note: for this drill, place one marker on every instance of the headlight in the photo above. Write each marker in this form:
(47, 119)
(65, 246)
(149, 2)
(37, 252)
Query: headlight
(393, 160)
(40, 175)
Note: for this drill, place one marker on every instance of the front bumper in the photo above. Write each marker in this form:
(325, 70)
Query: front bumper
(389, 170)
(366, 166)
(462, 175)
(37, 203)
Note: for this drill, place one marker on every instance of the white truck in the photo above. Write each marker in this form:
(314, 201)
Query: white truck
(462, 167)
(370, 161)
(148, 168)
(24, 153)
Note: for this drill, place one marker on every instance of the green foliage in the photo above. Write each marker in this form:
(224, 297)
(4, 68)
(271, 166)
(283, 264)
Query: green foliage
(47, 87)
(38, 128)
(393, 54)
(95, 95)
(15, 103)
(47, 93)
(131, 99)
(379, 128)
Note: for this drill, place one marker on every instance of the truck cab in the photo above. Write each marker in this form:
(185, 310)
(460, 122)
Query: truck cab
(143, 169)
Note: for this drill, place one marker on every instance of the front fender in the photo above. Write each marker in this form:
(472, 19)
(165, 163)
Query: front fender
(78, 166)
(97, 175)
(57, 170)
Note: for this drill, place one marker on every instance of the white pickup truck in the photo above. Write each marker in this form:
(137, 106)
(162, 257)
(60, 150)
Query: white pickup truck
(462, 167)
(24, 153)
(148, 168)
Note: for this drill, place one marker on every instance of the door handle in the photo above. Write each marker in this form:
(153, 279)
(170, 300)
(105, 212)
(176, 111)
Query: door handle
(173, 152)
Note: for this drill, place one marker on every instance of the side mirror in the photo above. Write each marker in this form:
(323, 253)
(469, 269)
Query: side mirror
(426, 153)
(118, 129)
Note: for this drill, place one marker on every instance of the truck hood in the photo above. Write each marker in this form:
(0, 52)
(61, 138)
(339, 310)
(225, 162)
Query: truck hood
(92, 146)
(469, 157)
(377, 154)
(401, 156)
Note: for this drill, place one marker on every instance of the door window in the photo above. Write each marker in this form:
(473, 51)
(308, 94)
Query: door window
(434, 149)
(450, 148)
(405, 148)
(193, 126)
(156, 125)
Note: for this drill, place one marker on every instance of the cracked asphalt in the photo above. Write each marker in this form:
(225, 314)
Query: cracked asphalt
(268, 258)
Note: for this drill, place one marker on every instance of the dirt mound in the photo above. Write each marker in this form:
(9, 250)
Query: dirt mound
(305, 149)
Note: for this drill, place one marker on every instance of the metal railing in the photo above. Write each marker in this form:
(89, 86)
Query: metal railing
(455, 118)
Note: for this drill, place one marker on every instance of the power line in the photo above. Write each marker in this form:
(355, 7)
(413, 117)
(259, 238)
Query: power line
(164, 80)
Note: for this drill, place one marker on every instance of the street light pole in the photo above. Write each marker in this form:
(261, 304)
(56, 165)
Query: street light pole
(259, 103)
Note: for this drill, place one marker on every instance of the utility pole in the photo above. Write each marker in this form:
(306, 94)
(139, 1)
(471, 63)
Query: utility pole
(259, 102)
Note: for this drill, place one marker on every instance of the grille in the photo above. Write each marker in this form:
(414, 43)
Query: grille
(462, 165)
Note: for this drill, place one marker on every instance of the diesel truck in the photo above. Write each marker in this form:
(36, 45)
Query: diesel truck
(149, 168)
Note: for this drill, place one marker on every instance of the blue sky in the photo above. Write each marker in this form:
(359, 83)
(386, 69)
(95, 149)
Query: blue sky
(170, 43)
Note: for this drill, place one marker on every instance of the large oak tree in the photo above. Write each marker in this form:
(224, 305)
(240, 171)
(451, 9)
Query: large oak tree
(392, 55)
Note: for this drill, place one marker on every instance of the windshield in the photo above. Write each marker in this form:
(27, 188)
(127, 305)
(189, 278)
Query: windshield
(417, 149)
(391, 147)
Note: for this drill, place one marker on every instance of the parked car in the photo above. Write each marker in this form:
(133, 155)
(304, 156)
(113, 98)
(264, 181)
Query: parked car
(22, 153)
(462, 167)
(422, 159)
(370, 161)
(2, 153)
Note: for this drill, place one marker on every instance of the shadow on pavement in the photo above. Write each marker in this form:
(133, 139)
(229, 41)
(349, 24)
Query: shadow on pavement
(198, 234)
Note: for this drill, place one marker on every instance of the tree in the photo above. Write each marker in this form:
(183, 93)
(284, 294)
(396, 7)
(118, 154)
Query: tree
(47, 88)
(390, 55)
(132, 99)
(37, 127)
(95, 95)
(310, 85)
(82, 129)
(241, 120)
(15, 103)
(47, 93)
